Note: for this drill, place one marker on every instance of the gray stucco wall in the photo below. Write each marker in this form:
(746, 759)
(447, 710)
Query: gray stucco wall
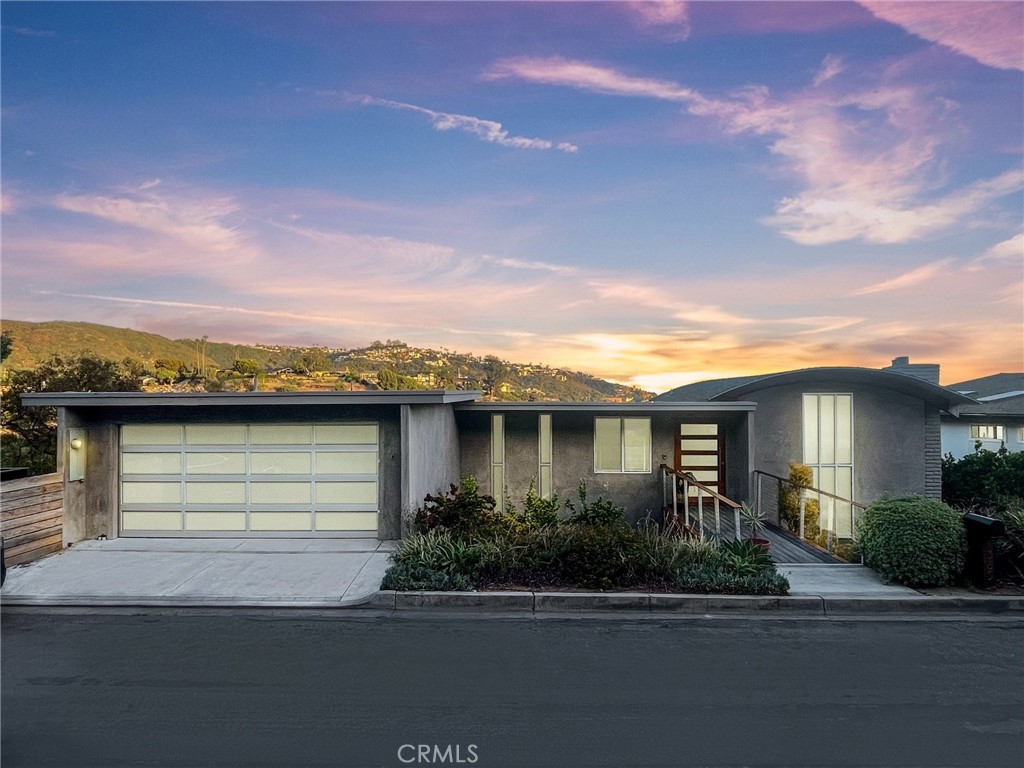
(889, 434)
(573, 456)
(91, 506)
(430, 452)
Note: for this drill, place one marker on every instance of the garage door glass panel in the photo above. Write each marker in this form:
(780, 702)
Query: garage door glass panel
(346, 521)
(346, 493)
(279, 493)
(151, 464)
(280, 463)
(280, 521)
(346, 434)
(215, 521)
(215, 493)
(151, 493)
(215, 434)
(151, 521)
(215, 463)
(280, 434)
(354, 463)
(151, 434)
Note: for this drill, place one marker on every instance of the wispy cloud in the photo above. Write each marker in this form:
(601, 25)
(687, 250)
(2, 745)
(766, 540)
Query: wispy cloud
(1007, 251)
(989, 32)
(489, 131)
(541, 266)
(831, 66)
(868, 159)
(30, 31)
(907, 279)
(669, 19)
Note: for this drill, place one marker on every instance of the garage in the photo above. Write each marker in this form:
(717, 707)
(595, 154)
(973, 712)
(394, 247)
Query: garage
(202, 479)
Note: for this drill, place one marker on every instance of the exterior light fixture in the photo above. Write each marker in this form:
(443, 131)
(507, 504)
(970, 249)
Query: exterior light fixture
(76, 456)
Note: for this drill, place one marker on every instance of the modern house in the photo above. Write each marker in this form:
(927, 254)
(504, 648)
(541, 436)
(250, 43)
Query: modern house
(352, 464)
(995, 421)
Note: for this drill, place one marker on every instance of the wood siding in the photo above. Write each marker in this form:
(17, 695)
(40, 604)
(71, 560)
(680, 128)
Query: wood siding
(31, 514)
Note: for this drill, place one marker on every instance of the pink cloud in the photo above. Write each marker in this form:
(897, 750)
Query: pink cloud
(989, 32)
(669, 19)
(907, 279)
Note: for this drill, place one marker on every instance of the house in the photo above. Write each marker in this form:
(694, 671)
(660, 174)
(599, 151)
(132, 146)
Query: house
(995, 421)
(353, 464)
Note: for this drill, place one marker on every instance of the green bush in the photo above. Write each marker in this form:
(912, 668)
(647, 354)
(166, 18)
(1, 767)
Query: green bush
(745, 557)
(800, 476)
(463, 509)
(721, 579)
(913, 540)
(983, 478)
(438, 550)
(599, 512)
(403, 577)
(1010, 548)
(540, 511)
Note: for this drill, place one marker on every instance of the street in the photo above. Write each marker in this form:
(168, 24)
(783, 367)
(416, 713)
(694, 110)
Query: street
(362, 689)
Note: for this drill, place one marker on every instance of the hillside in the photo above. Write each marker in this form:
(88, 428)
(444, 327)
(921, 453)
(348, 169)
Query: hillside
(413, 367)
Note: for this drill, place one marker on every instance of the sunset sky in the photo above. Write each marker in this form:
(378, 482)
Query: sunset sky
(655, 193)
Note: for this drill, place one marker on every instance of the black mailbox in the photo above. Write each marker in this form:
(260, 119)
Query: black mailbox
(981, 562)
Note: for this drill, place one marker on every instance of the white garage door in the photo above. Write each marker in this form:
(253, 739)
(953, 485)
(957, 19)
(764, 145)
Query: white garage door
(249, 480)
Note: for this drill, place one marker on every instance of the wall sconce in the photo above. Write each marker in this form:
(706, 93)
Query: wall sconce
(76, 455)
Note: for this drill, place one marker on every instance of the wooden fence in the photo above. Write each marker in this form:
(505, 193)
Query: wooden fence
(31, 514)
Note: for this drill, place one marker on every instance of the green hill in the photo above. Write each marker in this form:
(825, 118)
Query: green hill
(417, 367)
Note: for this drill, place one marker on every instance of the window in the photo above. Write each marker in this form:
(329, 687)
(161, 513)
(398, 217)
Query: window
(828, 451)
(498, 460)
(622, 445)
(1020, 434)
(544, 452)
(986, 432)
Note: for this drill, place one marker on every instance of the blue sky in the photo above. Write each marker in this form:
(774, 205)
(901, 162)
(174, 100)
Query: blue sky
(652, 192)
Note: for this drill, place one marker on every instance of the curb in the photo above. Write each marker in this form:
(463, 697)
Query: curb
(798, 605)
(204, 602)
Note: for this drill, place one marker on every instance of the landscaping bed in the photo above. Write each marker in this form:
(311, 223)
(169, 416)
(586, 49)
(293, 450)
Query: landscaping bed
(463, 544)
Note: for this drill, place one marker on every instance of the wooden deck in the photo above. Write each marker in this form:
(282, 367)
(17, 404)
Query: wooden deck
(786, 548)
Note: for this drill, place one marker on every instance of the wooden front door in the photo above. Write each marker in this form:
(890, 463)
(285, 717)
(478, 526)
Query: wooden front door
(700, 450)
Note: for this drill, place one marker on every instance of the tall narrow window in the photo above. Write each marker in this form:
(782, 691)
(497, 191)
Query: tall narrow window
(544, 452)
(498, 460)
(828, 451)
(622, 445)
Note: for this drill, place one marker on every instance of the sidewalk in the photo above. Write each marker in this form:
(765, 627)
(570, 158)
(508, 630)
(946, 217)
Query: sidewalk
(313, 573)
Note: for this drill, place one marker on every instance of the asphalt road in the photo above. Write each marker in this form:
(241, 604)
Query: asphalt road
(248, 690)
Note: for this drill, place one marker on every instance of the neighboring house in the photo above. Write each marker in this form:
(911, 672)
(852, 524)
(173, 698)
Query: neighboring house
(351, 464)
(994, 421)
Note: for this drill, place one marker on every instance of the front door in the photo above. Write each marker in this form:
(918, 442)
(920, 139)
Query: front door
(700, 450)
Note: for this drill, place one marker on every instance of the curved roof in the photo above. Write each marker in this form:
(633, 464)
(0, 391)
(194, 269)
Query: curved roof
(737, 388)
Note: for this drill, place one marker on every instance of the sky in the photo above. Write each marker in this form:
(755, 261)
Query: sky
(652, 192)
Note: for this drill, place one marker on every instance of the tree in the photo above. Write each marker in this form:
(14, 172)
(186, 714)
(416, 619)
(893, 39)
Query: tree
(313, 360)
(30, 433)
(387, 379)
(248, 367)
(6, 345)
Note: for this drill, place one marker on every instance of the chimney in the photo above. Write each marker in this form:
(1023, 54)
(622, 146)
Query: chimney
(925, 371)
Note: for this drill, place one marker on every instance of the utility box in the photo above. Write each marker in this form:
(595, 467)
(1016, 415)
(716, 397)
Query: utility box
(981, 556)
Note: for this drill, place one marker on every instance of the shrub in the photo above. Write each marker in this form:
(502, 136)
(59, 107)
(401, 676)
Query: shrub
(1010, 548)
(438, 550)
(721, 579)
(403, 577)
(462, 509)
(800, 477)
(985, 478)
(913, 540)
(540, 511)
(745, 557)
(599, 512)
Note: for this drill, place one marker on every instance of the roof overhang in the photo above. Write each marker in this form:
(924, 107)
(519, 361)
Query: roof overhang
(246, 399)
(835, 377)
(653, 407)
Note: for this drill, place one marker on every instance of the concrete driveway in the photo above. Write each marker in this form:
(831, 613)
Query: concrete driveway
(197, 572)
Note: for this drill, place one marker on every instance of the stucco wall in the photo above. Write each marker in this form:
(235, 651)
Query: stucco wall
(573, 456)
(888, 434)
(430, 452)
(91, 507)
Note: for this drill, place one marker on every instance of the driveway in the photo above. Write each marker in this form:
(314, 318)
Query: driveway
(196, 572)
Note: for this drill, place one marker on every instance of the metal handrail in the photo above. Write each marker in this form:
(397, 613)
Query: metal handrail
(854, 505)
(687, 479)
(810, 488)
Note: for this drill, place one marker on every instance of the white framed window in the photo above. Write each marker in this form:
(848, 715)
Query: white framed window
(498, 460)
(622, 445)
(828, 451)
(544, 455)
(987, 432)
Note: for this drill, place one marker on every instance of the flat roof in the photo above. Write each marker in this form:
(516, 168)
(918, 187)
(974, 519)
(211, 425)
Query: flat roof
(546, 406)
(262, 399)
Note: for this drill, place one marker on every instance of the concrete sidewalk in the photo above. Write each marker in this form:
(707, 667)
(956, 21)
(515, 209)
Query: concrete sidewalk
(316, 573)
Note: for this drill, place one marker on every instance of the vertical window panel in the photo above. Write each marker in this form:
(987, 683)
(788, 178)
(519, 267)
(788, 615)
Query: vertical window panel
(498, 460)
(810, 429)
(636, 445)
(844, 429)
(827, 430)
(607, 445)
(544, 453)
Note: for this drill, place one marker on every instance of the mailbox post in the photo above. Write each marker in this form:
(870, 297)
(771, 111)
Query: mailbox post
(981, 559)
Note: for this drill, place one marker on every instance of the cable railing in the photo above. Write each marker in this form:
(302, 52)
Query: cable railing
(685, 481)
(830, 517)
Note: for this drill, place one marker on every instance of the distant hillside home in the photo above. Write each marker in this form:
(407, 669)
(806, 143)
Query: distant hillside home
(994, 421)
(350, 464)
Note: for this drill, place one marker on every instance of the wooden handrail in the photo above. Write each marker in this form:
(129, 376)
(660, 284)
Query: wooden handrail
(809, 488)
(690, 479)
